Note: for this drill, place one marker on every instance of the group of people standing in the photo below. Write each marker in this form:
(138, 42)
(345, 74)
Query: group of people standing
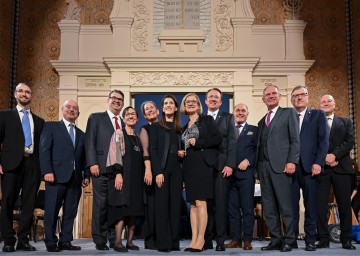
(215, 158)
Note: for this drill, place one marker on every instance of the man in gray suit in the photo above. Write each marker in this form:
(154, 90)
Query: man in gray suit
(100, 127)
(278, 153)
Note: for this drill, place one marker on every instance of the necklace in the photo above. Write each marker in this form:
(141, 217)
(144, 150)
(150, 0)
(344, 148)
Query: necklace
(136, 145)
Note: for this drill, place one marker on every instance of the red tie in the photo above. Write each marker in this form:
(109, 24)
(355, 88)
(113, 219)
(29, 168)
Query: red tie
(117, 126)
(268, 118)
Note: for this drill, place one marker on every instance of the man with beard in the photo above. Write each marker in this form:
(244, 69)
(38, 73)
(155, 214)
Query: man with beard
(19, 168)
(100, 127)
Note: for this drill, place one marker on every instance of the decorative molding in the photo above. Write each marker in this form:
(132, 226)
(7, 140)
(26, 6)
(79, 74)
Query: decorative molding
(267, 30)
(181, 78)
(80, 68)
(282, 67)
(224, 30)
(95, 30)
(243, 9)
(140, 34)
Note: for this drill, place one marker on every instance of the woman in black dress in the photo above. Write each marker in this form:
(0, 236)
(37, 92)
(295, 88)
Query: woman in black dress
(150, 113)
(201, 140)
(125, 161)
(165, 143)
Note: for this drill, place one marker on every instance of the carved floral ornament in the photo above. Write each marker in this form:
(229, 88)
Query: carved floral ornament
(224, 30)
(181, 78)
(140, 26)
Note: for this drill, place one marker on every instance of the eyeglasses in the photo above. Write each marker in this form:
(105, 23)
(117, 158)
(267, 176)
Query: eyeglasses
(130, 114)
(299, 95)
(71, 107)
(188, 102)
(116, 98)
(23, 91)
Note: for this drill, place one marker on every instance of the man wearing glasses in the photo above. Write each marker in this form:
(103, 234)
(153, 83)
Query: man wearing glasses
(314, 143)
(19, 168)
(100, 127)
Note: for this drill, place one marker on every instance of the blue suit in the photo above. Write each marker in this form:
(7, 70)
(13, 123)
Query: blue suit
(59, 156)
(241, 194)
(314, 145)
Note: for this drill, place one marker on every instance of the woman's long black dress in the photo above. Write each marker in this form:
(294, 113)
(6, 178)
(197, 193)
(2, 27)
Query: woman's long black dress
(134, 176)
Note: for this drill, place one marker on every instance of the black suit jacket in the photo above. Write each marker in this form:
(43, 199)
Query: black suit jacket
(246, 149)
(209, 140)
(12, 139)
(57, 153)
(99, 130)
(159, 148)
(342, 141)
(227, 148)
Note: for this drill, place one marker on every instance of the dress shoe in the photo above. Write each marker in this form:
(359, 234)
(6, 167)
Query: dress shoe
(271, 246)
(53, 248)
(120, 249)
(233, 244)
(310, 247)
(208, 245)
(132, 247)
(294, 245)
(220, 248)
(286, 248)
(247, 246)
(69, 247)
(102, 247)
(8, 248)
(25, 246)
(348, 245)
(323, 244)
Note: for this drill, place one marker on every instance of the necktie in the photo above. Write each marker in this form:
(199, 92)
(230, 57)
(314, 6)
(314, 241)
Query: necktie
(268, 120)
(299, 116)
(26, 128)
(72, 134)
(213, 115)
(329, 121)
(117, 126)
(238, 127)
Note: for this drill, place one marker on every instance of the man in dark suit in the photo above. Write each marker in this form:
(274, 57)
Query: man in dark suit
(100, 127)
(338, 173)
(62, 163)
(278, 151)
(217, 208)
(241, 194)
(314, 143)
(19, 168)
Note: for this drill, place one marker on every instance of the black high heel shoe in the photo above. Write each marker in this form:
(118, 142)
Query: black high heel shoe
(188, 249)
(196, 250)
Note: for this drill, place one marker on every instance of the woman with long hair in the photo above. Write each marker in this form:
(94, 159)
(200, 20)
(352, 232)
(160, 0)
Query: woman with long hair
(165, 142)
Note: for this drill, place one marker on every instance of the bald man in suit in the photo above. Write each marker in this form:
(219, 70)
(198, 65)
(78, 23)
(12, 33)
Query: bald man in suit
(338, 174)
(278, 152)
(62, 162)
